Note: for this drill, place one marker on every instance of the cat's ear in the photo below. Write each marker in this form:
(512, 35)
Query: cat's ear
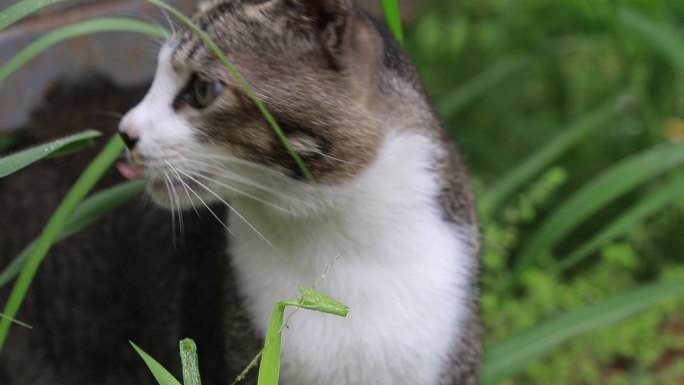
(346, 34)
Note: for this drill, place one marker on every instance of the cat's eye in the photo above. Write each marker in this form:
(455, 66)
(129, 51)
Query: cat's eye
(204, 92)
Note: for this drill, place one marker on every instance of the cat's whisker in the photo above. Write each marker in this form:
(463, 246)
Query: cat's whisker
(243, 162)
(109, 114)
(220, 170)
(208, 208)
(248, 195)
(179, 209)
(185, 188)
(319, 152)
(168, 185)
(210, 191)
(169, 21)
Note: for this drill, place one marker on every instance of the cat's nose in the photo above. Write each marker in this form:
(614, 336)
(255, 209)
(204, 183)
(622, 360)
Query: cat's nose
(128, 131)
(128, 139)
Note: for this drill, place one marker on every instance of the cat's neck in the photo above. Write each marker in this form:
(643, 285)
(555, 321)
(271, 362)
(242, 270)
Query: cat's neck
(398, 184)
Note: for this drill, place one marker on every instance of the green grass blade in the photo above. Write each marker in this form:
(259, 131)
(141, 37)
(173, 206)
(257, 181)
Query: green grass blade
(481, 83)
(542, 158)
(243, 83)
(393, 19)
(662, 38)
(613, 183)
(190, 362)
(78, 29)
(89, 211)
(313, 300)
(269, 368)
(54, 227)
(643, 209)
(162, 375)
(506, 358)
(21, 9)
(15, 162)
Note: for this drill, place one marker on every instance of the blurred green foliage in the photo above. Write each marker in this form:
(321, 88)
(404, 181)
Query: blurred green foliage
(507, 77)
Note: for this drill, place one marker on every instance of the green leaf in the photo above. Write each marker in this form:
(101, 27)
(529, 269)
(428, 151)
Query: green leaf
(313, 300)
(269, 368)
(508, 357)
(190, 362)
(162, 375)
(393, 19)
(641, 210)
(13, 163)
(542, 158)
(663, 38)
(21, 9)
(89, 211)
(75, 30)
(616, 181)
(55, 227)
(481, 83)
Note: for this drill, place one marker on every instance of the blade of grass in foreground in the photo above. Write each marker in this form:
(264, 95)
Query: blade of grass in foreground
(162, 375)
(613, 183)
(190, 362)
(393, 19)
(269, 369)
(644, 208)
(506, 358)
(78, 29)
(89, 211)
(21, 9)
(15, 162)
(54, 227)
(542, 158)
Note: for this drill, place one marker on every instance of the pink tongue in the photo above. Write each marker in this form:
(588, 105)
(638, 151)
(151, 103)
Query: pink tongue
(128, 171)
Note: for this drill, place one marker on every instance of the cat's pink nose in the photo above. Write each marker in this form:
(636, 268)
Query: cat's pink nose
(128, 133)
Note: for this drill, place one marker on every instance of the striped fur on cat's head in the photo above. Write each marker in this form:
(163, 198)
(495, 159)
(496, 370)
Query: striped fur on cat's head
(315, 64)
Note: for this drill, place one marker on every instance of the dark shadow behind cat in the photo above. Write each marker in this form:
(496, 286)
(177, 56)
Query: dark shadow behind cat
(121, 279)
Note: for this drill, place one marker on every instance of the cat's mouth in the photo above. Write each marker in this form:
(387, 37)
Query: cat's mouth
(172, 184)
(129, 171)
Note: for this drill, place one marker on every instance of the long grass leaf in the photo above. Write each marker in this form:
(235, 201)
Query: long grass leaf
(613, 183)
(21, 9)
(481, 83)
(15, 162)
(542, 158)
(78, 29)
(269, 368)
(190, 362)
(663, 38)
(89, 211)
(162, 375)
(506, 358)
(54, 228)
(643, 209)
(393, 19)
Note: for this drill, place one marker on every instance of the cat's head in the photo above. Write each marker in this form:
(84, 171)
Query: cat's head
(313, 63)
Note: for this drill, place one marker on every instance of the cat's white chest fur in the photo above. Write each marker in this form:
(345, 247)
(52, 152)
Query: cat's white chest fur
(402, 270)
